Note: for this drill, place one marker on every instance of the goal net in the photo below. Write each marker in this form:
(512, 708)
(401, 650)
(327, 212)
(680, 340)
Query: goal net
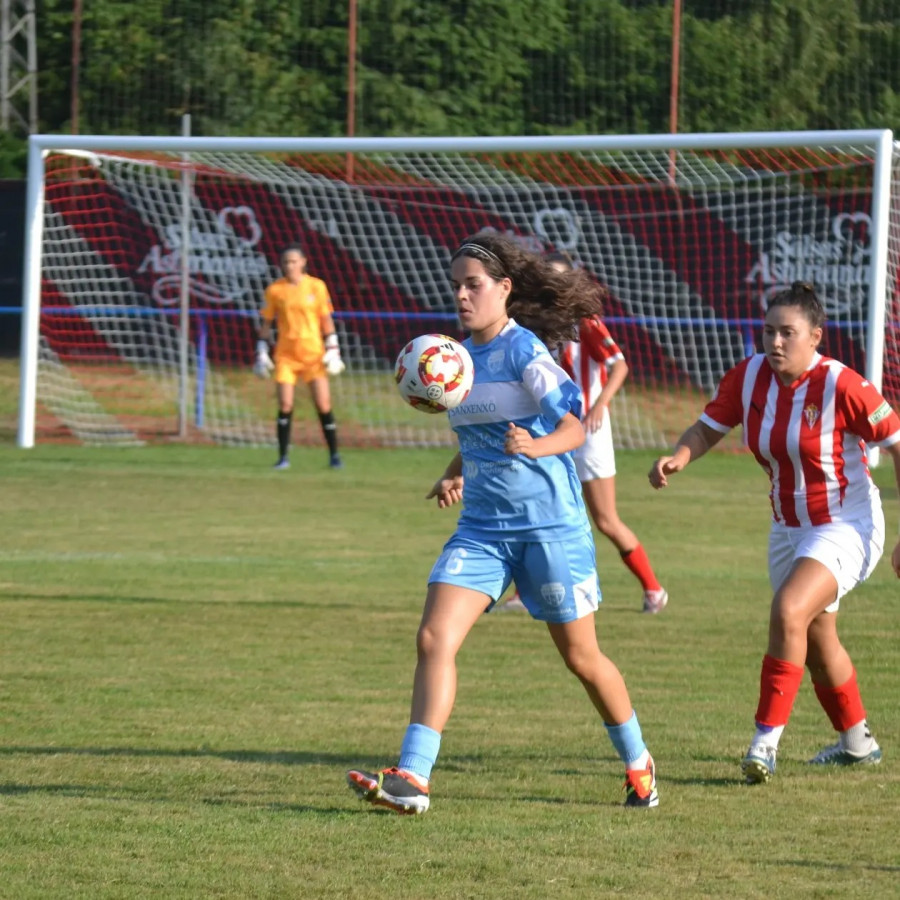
(148, 258)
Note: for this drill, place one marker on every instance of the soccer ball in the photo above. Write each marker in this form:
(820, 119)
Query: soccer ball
(434, 373)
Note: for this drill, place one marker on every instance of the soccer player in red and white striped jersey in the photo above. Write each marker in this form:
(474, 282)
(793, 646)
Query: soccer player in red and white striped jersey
(806, 418)
(597, 365)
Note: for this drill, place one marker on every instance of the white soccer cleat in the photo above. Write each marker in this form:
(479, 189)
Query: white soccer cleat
(514, 604)
(758, 765)
(655, 601)
(836, 755)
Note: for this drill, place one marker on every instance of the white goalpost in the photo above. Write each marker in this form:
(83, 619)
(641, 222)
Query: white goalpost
(146, 259)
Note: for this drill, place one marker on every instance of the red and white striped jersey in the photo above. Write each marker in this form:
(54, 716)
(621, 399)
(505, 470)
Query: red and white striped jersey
(809, 436)
(587, 361)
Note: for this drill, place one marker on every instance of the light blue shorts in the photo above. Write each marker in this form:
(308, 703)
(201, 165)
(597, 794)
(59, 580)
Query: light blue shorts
(557, 580)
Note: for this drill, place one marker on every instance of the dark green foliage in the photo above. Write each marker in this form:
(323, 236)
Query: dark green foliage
(464, 67)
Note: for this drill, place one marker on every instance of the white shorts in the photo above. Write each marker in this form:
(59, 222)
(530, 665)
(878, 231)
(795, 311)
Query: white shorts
(849, 550)
(595, 458)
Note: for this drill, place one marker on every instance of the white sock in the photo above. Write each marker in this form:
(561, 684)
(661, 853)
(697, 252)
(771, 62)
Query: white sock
(641, 763)
(769, 735)
(857, 739)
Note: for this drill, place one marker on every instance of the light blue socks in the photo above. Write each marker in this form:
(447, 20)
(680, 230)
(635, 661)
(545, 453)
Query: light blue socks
(420, 749)
(628, 740)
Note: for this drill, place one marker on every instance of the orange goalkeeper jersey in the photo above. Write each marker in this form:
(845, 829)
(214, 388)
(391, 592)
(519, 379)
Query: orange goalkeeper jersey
(297, 311)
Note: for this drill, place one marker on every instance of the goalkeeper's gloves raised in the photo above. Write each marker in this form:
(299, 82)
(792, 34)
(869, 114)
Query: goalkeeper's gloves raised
(334, 365)
(263, 367)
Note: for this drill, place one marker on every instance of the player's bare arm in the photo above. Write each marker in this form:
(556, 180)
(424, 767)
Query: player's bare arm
(693, 444)
(326, 323)
(617, 375)
(568, 435)
(449, 487)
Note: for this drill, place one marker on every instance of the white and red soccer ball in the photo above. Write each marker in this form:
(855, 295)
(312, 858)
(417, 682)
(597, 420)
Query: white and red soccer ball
(434, 373)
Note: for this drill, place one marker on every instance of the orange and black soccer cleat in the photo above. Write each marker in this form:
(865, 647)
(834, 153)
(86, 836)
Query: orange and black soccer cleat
(394, 788)
(640, 787)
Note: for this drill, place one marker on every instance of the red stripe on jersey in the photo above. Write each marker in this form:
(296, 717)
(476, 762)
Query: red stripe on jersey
(785, 476)
(815, 445)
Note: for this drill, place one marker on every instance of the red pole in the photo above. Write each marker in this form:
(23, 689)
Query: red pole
(673, 88)
(76, 62)
(351, 81)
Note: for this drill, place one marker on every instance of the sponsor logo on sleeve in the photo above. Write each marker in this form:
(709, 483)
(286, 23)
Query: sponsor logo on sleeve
(882, 412)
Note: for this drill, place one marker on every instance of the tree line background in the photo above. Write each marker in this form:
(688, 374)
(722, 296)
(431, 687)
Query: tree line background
(462, 67)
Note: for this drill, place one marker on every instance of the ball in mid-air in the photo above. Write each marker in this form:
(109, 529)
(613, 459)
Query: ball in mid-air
(434, 373)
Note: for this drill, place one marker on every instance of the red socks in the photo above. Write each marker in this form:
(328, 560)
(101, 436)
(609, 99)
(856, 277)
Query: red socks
(779, 682)
(843, 704)
(637, 561)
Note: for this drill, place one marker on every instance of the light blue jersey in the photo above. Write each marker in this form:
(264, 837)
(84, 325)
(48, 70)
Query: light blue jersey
(513, 498)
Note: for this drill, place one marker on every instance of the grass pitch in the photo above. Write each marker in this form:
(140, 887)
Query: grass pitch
(196, 648)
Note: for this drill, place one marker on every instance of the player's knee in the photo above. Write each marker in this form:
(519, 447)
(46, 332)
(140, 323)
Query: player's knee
(431, 642)
(580, 661)
(789, 617)
(607, 525)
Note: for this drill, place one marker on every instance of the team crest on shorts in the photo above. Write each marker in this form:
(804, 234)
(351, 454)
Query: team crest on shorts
(811, 413)
(553, 593)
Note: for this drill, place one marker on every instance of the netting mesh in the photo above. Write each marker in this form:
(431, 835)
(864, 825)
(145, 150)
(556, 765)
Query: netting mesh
(689, 245)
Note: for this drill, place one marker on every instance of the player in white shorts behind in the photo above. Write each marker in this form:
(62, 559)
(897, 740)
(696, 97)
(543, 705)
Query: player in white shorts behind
(597, 365)
(806, 418)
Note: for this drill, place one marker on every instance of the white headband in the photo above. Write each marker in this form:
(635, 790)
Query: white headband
(479, 250)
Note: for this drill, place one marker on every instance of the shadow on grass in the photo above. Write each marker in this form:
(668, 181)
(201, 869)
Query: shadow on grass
(84, 791)
(275, 758)
(185, 601)
(838, 867)
(338, 762)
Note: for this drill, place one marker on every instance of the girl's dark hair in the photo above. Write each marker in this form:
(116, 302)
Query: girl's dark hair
(547, 302)
(560, 256)
(802, 295)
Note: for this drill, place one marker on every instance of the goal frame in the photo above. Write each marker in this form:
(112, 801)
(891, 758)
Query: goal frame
(39, 145)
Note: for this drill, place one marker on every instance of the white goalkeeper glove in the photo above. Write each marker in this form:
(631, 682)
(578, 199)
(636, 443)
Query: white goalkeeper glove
(334, 365)
(263, 367)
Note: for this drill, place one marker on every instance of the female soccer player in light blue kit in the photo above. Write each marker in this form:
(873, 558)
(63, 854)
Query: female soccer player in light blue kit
(523, 517)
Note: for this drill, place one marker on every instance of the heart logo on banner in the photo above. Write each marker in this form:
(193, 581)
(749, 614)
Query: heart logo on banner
(857, 229)
(241, 222)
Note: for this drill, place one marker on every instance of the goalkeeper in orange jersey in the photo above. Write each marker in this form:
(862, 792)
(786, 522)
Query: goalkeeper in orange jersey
(307, 348)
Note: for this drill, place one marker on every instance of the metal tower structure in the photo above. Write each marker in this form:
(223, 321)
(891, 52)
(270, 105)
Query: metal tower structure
(18, 66)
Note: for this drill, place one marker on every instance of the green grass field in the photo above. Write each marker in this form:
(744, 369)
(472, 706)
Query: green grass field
(196, 649)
